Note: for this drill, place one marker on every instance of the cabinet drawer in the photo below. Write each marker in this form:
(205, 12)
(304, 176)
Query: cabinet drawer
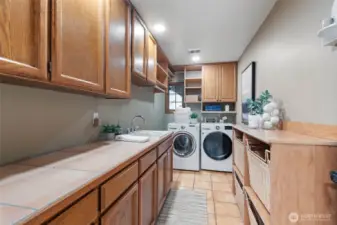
(114, 187)
(164, 146)
(146, 161)
(83, 212)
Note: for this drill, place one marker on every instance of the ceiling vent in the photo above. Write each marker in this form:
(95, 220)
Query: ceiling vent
(194, 51)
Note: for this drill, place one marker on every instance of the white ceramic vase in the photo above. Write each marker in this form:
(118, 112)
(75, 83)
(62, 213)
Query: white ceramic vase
(193, 120)
(110, 136)
(254, 121)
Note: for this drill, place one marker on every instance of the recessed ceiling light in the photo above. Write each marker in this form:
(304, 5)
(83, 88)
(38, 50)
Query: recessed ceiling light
(195, 58)
(159, 28)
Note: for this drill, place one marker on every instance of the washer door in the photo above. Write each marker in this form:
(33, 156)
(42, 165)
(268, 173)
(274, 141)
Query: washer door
(217, 146)
(184, 144)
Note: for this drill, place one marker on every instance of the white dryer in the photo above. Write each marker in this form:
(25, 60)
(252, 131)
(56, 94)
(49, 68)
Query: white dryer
(216, 146)
(186, 146)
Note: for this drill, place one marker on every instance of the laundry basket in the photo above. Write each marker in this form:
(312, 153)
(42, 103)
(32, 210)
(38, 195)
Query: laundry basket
(239, 155)
(239, 195)
(259, 171)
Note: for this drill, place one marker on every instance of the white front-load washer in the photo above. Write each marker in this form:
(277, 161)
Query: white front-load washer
(186, 146)
(216, 146)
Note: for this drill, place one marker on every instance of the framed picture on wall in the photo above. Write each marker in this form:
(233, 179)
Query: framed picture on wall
(248, 77)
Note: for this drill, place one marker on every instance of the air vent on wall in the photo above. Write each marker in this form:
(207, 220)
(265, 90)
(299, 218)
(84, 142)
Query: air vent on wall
(194, 51)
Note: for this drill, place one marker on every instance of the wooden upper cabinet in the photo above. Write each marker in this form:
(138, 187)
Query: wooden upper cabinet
(125, 211)
(148, 197)
(151, 59)
(118, 58)
(227, 82)
(138, 46)
(23, 38)
(78, 43)
(210, 83)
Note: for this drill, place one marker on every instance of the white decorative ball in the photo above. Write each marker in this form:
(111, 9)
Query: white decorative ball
(275, 120)
(268, 108)
(267, 125)
(275, 112)
(266, 116)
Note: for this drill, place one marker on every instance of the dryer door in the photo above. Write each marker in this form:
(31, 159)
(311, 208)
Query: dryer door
(184, 144)
(217, 146)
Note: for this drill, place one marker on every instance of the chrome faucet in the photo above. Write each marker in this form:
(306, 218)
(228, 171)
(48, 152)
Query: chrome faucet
(132, 129)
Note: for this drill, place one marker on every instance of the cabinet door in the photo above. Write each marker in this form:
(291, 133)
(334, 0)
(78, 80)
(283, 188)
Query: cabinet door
(227, 82)
(169, 171)
(118, 58)
(138, 46)
(78, 42)
(210, 83)
(83, 212)
(161, 165)
(125, 211)
(151, 60)
(23, 38)
(147, 197)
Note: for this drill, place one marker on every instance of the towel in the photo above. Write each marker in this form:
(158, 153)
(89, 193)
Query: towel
(132, 138)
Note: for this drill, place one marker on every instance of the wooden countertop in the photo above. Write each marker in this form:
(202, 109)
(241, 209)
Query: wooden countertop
(284, 137)
(36, 184)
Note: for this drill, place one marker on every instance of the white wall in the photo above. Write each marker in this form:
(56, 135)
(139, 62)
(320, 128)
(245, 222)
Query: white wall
(292, 64)
(35, 121)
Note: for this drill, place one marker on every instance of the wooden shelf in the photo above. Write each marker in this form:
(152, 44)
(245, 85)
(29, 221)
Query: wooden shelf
(193, 79)
(262, 211)
(161, 70)
(222, 112)
(161, 85)
(158, 89)
(198, 102)
(170, 73)
(192, 88)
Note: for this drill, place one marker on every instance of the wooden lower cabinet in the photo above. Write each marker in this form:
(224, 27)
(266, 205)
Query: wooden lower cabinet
(124, 211)
(148, 197)
(84, 212)
(169, 171)
(161, 165)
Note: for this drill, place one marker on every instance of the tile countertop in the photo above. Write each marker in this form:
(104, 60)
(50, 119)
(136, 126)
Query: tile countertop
(37, 183)
(284, 137)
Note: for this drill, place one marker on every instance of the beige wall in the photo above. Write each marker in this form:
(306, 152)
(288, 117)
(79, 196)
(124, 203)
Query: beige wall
(292, 64)
(35, 121)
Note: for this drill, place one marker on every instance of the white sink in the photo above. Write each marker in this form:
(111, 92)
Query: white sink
(132, 138)
(149, 133)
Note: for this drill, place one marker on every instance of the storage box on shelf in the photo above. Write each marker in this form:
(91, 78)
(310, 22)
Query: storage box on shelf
(259, 173)
(285, 172)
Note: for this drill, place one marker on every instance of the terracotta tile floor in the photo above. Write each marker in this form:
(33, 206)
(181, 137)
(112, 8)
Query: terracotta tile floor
(221, 205)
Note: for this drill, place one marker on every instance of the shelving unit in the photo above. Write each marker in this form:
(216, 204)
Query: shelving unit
(164, 73)
(219, 112)
(300, 166)
(192, 84)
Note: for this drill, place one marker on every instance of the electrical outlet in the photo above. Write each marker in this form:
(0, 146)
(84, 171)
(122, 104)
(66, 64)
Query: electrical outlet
(95, 119)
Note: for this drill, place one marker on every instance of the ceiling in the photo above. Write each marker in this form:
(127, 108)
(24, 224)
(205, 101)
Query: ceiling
(221, 29)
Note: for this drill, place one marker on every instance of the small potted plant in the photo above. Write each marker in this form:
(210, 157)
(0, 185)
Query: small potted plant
(194, 118)
(109, 131)
(255, 108)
